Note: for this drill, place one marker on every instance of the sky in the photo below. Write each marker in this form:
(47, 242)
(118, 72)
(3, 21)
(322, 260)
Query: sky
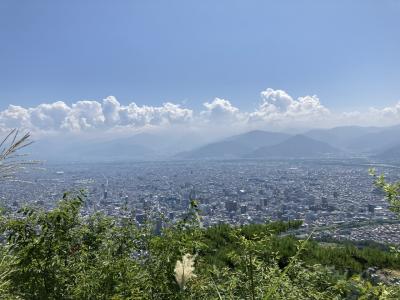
(167, 62)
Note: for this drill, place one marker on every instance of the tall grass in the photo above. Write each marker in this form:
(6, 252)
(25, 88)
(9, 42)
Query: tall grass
(11, 160)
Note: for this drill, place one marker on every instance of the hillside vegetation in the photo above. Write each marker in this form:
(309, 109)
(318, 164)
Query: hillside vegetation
(60, 254)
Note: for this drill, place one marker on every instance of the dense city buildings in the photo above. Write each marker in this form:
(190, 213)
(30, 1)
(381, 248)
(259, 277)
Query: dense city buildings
(334, 198)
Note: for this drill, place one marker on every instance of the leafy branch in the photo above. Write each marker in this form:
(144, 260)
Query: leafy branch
(391, 190)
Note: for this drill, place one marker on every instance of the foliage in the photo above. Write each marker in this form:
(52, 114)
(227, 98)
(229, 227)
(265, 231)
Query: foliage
(391, 190)
(61, 254)
(344, 256)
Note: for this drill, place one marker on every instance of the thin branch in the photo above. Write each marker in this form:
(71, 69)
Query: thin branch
(10, 159)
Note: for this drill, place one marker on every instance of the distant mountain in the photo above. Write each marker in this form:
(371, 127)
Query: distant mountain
(299, 146)
(116, 150)
(76, 149)
(393, 153)
(259, 138)
(371, 141)
(341, 137)
(376, 142)
(235, 146)
(149, 140)
(221, 150)
(142, 146)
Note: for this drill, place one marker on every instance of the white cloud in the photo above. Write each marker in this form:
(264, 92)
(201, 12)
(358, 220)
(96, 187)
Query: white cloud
(84, 115)
(49, 116)
(111, 109)
(277, 110)
(15, 116)
(279, 107)
(385, 116)
(168, 114)
(277, 100)
(221, 111)
(92, 115)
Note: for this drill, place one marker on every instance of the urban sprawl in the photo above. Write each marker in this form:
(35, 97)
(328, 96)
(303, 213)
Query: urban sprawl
(335, 199)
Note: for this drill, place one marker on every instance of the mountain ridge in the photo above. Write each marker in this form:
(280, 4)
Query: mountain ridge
(298, 146)
(235, 146)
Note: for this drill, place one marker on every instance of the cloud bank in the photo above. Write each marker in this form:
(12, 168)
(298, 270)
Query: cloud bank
(277, 109)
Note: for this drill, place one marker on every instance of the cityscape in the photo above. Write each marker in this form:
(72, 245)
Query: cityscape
(174, 150)
(333, 198)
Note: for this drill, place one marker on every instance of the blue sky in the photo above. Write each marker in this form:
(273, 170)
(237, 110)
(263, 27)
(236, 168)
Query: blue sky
(150, 52)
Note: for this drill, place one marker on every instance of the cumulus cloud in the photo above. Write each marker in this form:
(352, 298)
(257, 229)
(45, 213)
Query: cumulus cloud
(221, 111)
(49, 116)
(92, 115)
(111, 110)
(168, 114)
(15, 116)
(84, 115)
(277, 109)
(385, 116)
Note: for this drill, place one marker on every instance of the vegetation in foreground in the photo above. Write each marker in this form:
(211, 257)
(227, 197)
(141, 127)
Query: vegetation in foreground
(60, 254)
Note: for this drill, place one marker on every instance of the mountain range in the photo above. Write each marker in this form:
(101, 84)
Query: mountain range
(378, 143)
(298, 146)
(348, 141)
(235, 146)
